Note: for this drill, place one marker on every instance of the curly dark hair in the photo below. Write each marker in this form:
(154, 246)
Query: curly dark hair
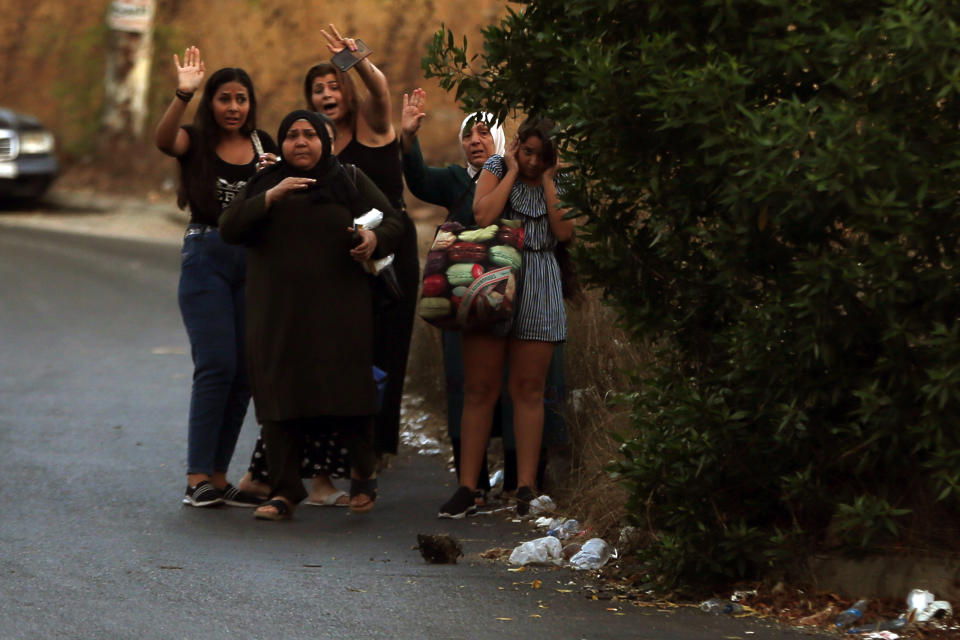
(544, 128)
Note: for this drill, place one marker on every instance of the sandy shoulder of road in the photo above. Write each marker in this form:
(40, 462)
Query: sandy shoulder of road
(153, 218)
(103, 215)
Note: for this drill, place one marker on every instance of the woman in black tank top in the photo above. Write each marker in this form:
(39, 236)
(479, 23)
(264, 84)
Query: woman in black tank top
(217, 155)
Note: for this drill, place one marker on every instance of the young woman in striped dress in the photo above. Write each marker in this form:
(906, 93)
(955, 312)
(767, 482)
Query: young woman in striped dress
(525, 179)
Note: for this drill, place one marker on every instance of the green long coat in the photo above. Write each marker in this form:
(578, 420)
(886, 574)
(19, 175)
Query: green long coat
(309, 344)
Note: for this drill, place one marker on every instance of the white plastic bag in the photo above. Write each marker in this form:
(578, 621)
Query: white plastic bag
(371, 220)
(542, 505)
(546, 522)
(546, 550)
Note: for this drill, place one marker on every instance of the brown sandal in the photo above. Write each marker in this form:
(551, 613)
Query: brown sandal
(366, 488)
(283, 510)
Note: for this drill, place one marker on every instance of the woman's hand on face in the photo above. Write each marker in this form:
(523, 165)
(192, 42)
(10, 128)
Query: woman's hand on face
(510, 158)
(551, 172)
(413, 112)
(368, 243)
(190, 73)
(266, 160)
(336, 42)
(287, 186)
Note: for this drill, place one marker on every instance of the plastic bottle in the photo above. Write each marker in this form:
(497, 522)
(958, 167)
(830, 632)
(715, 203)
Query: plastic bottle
(592, 555)
(851, 615)
(717, 606)
(563, 531)
(883, 625)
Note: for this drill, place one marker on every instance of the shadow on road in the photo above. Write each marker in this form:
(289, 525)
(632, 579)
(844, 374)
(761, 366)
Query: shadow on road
(51, 204)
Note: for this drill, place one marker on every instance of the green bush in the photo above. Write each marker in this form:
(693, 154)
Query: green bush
(770, 190)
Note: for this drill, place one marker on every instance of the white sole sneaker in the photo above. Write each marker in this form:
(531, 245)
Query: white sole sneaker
(203, 494)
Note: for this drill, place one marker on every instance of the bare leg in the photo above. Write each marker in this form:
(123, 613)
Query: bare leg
(483, 358)
(529, 363)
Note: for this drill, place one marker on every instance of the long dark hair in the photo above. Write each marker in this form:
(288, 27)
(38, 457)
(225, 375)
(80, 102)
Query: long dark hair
(345, 82)
(543, 128)
(197, 180)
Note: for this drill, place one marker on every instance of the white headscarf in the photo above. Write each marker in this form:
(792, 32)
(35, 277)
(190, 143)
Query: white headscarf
(499, 139)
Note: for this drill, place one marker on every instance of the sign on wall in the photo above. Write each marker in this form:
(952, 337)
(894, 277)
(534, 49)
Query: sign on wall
(133, 16)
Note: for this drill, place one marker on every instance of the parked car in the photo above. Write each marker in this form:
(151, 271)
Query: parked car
(27, 162)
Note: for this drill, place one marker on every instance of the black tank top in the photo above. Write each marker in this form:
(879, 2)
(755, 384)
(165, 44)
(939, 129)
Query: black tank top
(381, 164)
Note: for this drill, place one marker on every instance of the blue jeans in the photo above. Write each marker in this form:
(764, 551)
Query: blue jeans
(212, 303)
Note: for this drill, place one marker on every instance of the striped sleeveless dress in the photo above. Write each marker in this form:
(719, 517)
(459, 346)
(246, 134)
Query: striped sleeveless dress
(539, 312)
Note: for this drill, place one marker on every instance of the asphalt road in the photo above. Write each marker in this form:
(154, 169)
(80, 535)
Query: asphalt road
(94, 543)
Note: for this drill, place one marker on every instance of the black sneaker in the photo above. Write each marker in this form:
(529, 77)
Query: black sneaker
(463, 503)
(203, 494)
(525, 496)
(237, 498)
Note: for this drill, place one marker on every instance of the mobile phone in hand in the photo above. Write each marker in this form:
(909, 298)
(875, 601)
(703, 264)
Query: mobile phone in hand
(345, 59)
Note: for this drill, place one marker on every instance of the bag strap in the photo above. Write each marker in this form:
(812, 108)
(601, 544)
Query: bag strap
(257, 146)
(478, 287)
(463, 194)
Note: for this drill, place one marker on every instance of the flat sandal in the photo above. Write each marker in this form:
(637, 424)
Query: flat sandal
(367, 488)
(284, 510)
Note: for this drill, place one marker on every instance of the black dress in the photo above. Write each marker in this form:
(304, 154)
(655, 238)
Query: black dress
(309, 323)
(392, 320)
(392, 323)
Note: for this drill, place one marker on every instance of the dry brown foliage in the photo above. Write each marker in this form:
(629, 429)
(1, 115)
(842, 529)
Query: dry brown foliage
(601, 362)
(53, 56)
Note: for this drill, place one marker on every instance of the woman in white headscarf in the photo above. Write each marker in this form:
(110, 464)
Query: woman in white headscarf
(452, 187)
(479, 137)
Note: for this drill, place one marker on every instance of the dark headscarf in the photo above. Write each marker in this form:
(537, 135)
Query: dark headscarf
(333, 184)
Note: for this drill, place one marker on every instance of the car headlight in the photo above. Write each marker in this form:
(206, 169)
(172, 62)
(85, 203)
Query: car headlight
(36, 142)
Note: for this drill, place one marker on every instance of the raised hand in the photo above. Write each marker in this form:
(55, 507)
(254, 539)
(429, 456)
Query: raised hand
(190, 73)
(413, 112)
(336, 42)
(510, 157)
(551, 172)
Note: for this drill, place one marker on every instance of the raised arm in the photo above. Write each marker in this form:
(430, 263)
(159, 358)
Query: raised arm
(430, 184)
(411, 117)
(169, 137)
(375, 110)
